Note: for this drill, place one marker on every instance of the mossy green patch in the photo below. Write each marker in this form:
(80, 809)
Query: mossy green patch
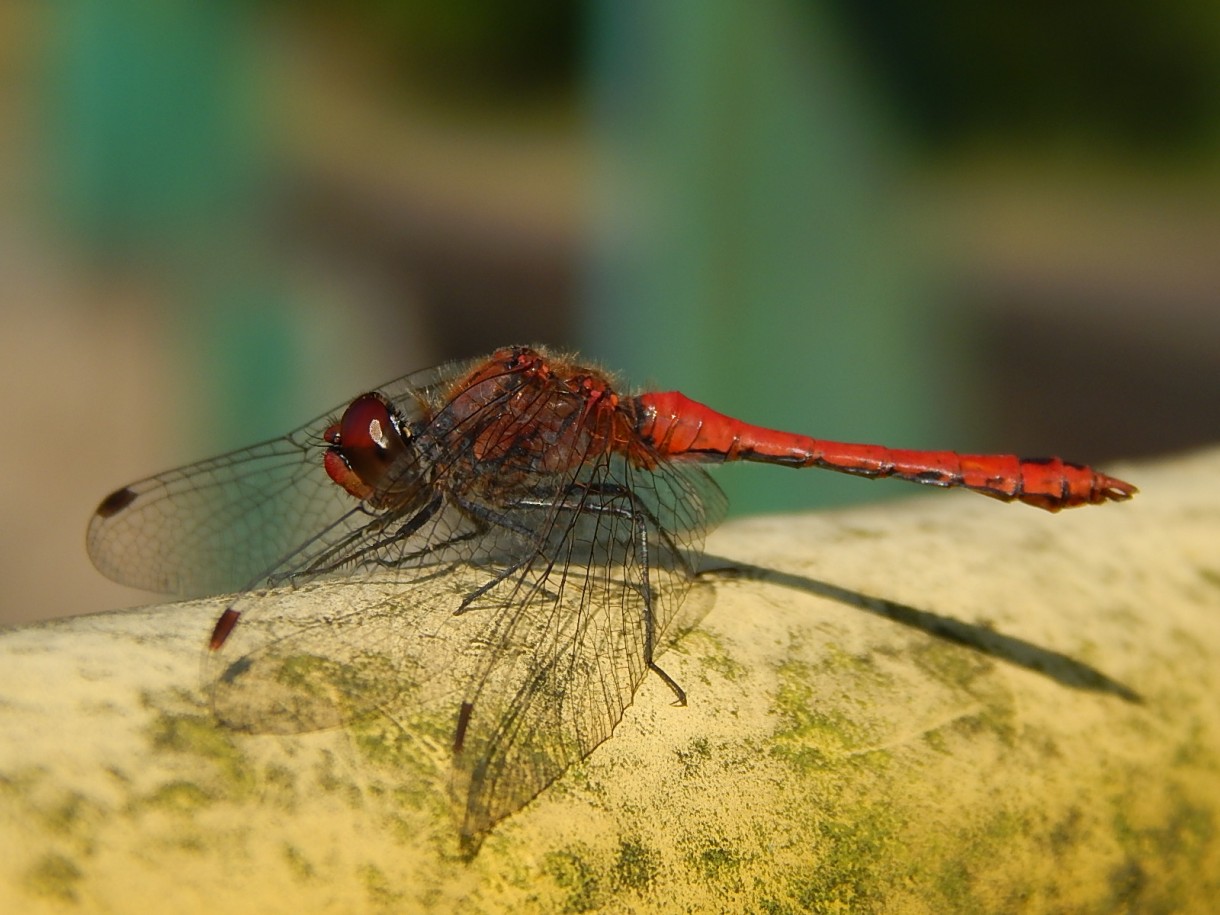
(860, 859)
(968, 673)
(981, 869)
(936, 739)
(716, 860)
(335, 682)
(201, 736)
(328, 777)
(637, 865)
(813, 735)
(379, 889)
(71, 819)
(325, 692)
(953, 665)
(572, 872)
(1166, 838)
(73, 816)
(179, 797)
(861, 668)
(406, 752)
(297, 862)
(996, 721)
(54, 876)
(20, 782)
(1210, 576)
(712, 656)
(1068, 831)
(279, 785)
(954, 883)
(694, 756)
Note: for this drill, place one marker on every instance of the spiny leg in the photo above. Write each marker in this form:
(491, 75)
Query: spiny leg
(335, 559)
(638, 516)
(489, 518)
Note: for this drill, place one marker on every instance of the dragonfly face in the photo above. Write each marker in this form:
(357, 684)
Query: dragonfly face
(370, 452)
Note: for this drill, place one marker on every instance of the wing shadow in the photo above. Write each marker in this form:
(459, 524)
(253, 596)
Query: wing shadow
(1053, 664)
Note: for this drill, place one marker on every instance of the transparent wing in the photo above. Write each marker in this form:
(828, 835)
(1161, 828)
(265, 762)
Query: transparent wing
(519, 660)
(589, 633)
(223, 524)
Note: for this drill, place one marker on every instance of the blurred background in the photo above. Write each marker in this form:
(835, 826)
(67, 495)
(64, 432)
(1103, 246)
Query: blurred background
(950, 224)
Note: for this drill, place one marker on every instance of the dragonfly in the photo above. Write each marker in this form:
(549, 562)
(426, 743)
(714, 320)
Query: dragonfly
(530, 534)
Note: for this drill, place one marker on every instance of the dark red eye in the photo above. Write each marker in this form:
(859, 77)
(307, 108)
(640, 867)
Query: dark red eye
(363, 445)
(367, 423)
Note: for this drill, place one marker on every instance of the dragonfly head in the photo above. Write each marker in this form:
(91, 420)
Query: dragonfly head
(365, 444)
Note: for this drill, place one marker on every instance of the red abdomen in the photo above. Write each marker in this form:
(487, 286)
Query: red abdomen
(683, 429)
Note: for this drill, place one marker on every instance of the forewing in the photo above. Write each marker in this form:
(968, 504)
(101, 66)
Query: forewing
(226, 523)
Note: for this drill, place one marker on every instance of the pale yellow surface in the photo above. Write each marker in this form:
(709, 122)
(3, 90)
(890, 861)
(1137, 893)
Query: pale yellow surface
(842, 751)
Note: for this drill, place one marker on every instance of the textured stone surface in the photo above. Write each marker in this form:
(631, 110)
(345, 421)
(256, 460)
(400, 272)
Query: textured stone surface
(941, 705)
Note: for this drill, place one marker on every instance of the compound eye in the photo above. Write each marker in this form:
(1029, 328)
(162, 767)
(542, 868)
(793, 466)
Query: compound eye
(363, 445)
(368, 425)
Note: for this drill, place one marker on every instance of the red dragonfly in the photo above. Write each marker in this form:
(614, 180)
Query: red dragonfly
(531, 533)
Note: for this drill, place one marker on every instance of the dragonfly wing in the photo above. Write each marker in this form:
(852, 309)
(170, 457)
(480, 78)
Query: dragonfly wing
(223, 524)
(616, 551)
(216, 526)
(510, 689)
(496, 703)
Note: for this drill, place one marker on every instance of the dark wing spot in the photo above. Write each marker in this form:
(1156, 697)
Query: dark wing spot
(116, 502)
(224, 626)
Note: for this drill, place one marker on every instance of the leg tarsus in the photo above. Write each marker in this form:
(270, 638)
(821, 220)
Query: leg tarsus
(669, 681)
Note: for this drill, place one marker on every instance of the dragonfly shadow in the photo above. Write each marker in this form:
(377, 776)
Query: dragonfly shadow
(1059, 667)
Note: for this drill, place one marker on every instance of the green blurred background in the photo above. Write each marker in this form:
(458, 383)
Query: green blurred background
(946, 224)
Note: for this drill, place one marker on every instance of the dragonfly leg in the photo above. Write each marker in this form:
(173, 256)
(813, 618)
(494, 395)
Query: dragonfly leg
(650, 619)
(609, 500)
(338, 556)
(618, 491)
(487, 518)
